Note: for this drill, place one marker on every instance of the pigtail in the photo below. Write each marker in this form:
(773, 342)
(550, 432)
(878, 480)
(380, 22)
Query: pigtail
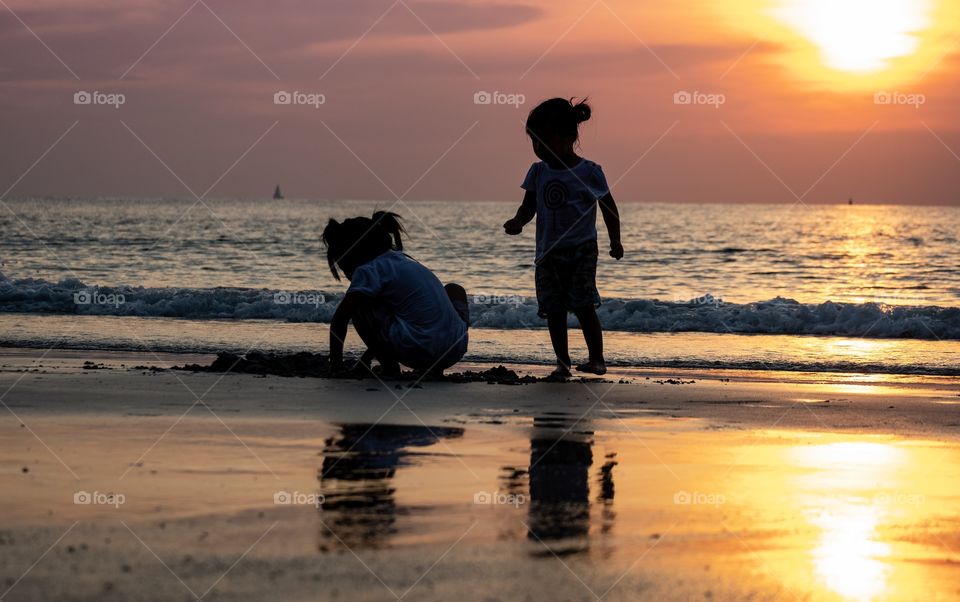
(581, 110)
(330, 240)
(390, 223)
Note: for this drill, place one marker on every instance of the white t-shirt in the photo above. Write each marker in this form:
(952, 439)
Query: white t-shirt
(427, 327)
(566, 203)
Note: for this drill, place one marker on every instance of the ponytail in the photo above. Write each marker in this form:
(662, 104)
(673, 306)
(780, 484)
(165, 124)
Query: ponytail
(389, 222)
(330, 240)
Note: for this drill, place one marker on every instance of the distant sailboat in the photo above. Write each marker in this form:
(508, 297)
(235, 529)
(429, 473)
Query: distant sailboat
(277, 195)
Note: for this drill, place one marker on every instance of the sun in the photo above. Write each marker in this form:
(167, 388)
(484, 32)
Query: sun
(849, 47)
(859, 36)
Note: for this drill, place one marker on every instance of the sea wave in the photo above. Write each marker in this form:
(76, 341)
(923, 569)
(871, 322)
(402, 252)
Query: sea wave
(703, 314)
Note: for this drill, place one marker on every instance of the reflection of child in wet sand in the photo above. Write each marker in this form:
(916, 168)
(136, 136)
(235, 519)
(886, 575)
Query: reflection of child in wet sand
(399, 308)
(360, 506)
(563, 191)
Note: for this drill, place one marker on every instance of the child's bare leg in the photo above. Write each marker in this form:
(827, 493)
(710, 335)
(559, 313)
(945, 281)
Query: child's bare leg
(458, 297)
(557, 324)
(593, 335)
(365, 322)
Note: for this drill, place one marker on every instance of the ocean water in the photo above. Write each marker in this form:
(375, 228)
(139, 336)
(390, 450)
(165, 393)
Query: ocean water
(194, 276)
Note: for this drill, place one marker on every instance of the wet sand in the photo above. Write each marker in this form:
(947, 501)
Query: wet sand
(139, 485)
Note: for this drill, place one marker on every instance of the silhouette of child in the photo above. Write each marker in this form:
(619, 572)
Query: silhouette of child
(401, 311)
(563, 191)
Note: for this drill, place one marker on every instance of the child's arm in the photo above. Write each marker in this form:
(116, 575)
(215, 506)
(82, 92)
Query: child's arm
(611, 218)
(338, 329)
(526, 212)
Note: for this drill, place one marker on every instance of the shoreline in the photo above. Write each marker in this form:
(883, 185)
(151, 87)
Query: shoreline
(904, 404)
(835, 369)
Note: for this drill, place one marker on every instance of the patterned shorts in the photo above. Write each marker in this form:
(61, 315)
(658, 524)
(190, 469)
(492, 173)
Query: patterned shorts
(567, 279)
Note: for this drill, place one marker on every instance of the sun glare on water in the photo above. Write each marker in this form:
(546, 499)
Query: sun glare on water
(861, 36)
(850, 557)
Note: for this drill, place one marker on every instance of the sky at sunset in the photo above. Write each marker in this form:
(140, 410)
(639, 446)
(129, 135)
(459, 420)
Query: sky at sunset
(694, 101)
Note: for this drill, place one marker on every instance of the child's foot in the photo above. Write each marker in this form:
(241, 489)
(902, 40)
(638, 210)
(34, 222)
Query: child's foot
(435, 374)
(364, 366)
(598, 367)
(367, 358)
(389, 368)
(562, 372)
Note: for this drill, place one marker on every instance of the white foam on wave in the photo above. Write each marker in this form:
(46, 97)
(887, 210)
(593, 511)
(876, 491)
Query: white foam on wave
(776, 316)
(704, 314)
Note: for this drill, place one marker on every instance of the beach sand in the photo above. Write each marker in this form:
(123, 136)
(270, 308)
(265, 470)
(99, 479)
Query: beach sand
(132, 484)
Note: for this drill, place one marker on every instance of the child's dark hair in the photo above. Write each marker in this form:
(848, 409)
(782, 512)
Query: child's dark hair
(357, 240)
(557, 116)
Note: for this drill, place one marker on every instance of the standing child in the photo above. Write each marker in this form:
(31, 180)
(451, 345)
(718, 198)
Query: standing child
(399, 308)
(563, 191)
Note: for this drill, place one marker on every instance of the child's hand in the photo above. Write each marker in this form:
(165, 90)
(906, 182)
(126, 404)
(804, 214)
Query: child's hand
(513, 226)
(616, 250)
